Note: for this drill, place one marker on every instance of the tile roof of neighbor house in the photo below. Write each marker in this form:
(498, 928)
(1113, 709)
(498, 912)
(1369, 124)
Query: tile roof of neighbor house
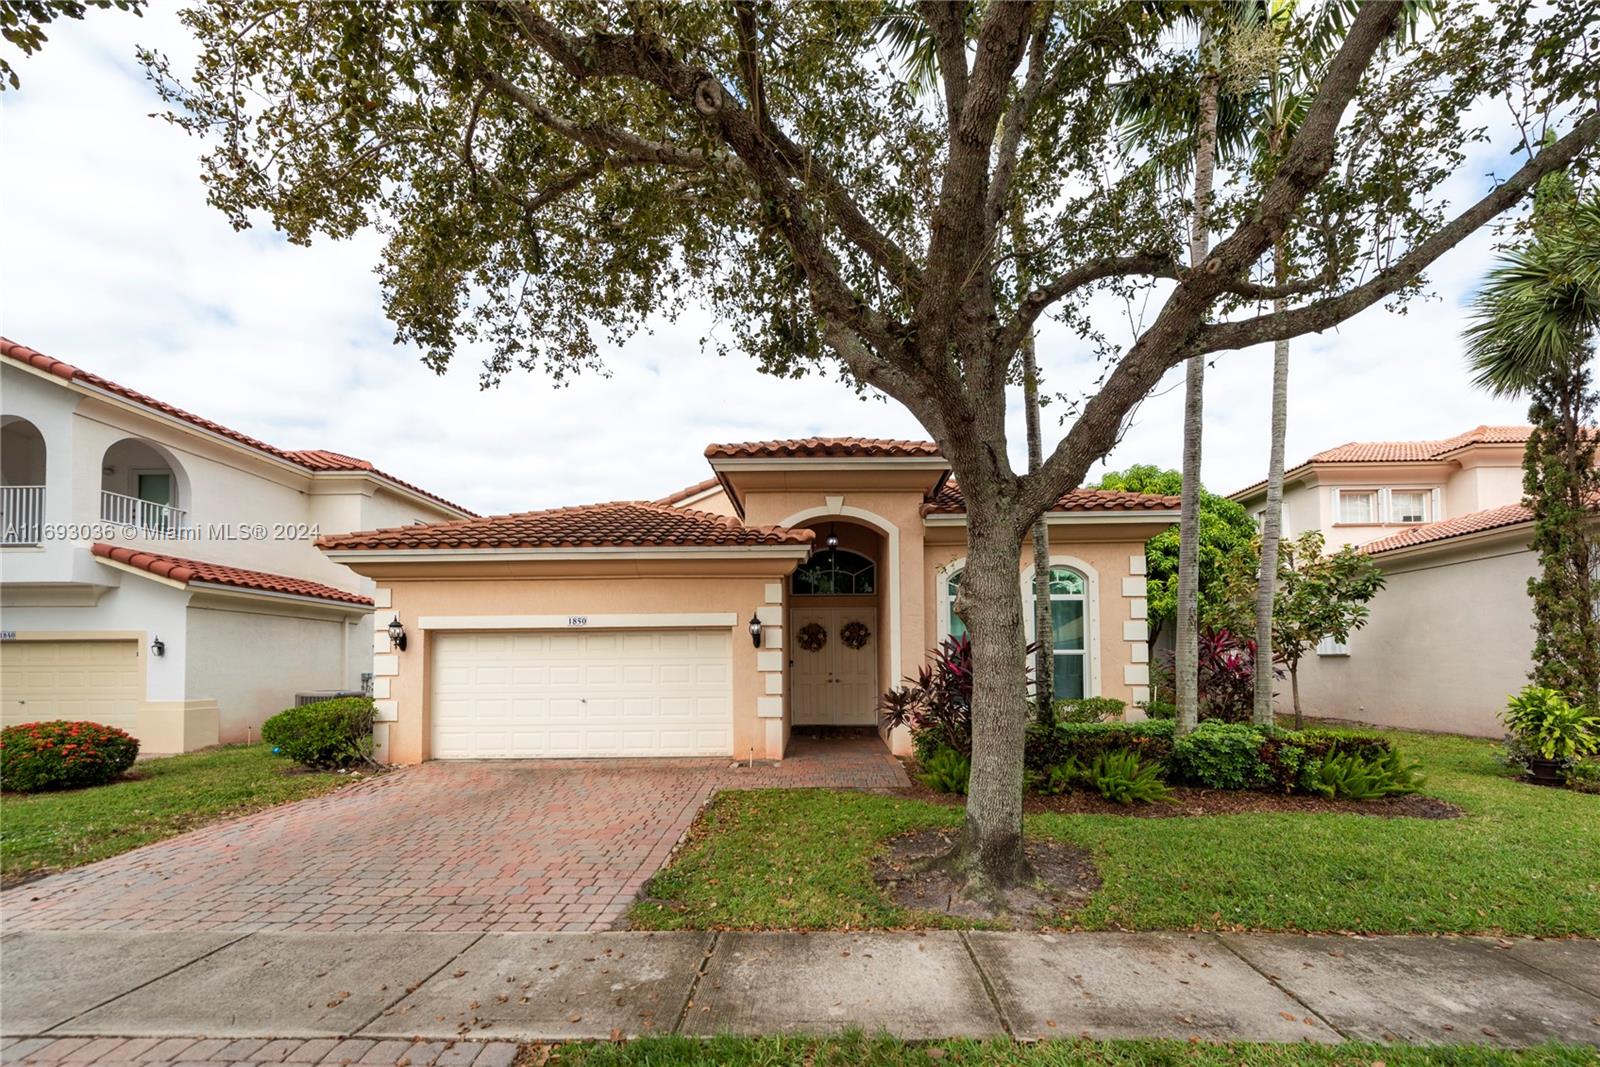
(689, 491)
(825, 447)
(1406, 451)
(315, 459)
(947, 500)
(622, 524)
(1472, 522)
(192, 570)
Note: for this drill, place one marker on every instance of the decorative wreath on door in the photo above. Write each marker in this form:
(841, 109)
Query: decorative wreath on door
(854, 634)
(812, 637)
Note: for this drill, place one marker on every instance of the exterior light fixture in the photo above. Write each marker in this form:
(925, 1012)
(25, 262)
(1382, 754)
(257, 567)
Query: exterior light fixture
(158, 647)
(755, 631)
(832, 540)
(397, 634)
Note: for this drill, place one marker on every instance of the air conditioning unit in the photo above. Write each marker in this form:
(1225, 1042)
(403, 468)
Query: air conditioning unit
(302, 699)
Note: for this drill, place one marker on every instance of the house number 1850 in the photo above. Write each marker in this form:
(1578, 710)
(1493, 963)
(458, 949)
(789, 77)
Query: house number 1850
(577, 620)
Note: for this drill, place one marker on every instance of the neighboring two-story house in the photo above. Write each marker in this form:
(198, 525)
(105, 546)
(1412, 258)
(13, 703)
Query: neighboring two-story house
(158, 571)
(1451, 635)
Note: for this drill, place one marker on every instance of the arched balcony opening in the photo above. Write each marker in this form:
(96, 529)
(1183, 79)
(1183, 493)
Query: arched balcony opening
(143, 489)
(22, 480)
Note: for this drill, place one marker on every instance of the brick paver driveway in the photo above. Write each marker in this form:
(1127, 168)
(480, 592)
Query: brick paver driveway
(477, 846)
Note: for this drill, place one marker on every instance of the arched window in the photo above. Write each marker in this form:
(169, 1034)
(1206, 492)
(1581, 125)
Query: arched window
(1069, 630)
(836, 572)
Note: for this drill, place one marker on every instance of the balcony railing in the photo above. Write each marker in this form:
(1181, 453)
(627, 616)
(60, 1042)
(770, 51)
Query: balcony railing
(21, 514)
(160, 520)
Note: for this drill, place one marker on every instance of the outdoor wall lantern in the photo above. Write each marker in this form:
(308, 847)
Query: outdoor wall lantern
(158, 647)
(755, 631)
(397, 634)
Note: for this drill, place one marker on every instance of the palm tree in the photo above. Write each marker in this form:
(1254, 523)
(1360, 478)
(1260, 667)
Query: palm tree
(1536, 319)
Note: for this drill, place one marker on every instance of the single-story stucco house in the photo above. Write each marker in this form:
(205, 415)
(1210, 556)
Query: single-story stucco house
(790, 589)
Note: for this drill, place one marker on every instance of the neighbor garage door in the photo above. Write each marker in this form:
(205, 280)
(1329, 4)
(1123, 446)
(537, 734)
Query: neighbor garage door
(599, 693)
(94, 680)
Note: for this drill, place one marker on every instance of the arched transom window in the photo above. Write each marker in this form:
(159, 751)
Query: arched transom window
(1069, 626)
(836, 572)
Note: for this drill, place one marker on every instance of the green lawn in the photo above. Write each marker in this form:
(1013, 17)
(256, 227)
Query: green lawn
(46, 831)
(1523, 860)
(884, 1052)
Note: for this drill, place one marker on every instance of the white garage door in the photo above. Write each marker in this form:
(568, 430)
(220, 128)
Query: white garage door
(564, 694)
(97, 681)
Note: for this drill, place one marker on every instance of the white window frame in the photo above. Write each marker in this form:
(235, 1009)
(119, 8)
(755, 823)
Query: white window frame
(1329, 647)
(1377, 507)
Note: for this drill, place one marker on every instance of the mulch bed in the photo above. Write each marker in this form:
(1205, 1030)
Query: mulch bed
(1191, 802)
(1064, 877)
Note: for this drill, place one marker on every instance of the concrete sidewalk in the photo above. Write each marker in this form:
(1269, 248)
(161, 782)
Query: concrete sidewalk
(380, 989)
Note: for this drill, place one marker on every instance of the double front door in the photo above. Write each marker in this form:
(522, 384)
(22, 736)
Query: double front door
(834, 685)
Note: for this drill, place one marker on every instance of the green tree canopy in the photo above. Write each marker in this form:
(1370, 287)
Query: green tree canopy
(1226, 530)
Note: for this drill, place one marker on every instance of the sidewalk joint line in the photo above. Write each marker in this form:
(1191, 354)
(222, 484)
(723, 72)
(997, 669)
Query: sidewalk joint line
(404, 992)
(1276, 984)
(988, 986)
(1536, 969)
(694, 983)
(51, 1031)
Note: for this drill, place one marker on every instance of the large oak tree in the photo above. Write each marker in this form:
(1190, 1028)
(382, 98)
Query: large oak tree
(550, 174)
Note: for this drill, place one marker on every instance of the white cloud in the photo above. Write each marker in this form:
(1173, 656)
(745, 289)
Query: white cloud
(115, 262)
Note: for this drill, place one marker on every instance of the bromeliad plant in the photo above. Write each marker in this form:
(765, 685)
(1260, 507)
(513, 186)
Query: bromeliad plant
(936, 705)
(1545, 722)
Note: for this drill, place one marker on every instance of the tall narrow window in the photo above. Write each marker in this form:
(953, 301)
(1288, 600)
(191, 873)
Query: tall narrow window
(953, 624)
(1069, 630)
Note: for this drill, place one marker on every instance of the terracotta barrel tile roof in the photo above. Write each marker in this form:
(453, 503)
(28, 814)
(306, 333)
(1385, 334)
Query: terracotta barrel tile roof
(623, 524)
(315, 459)
(192, 570)
(1407, 451)
(1473, 522)
(825, 447)
(947, 500)
(688, 491)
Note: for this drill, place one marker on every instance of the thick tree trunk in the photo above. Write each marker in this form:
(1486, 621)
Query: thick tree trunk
(1187, 659)
(989, 856)
(1272, 520)
(1044, 687)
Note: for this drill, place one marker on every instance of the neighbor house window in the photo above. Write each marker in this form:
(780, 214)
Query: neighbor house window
(1328, 646)
(1358, 506)
(1068, 631)
(1409, 505)
(835, 572)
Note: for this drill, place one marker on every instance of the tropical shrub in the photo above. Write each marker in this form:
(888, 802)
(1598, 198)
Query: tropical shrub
(62, 754)
(327, 734)
(1121, 776)
(1156, 708)
(936, 705)
(1221, 755)
(1048, 747)
(947, 771)
(1227, 672)
(1543, 720)
(1062, 778)
(1089, 709)
(1584, 776)
(1350, 776)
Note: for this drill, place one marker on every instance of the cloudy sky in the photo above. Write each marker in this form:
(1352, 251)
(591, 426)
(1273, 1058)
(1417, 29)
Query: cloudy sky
(114, 262)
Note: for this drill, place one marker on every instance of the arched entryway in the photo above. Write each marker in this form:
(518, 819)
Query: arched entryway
(143, 488)
(837, 627)
(22, 472)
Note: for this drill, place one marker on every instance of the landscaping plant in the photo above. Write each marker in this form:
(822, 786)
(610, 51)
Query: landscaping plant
(936, 705)
(947, 771)
(1123, 777)
(1089, 709)
(327, 734)
(1543, 720)
(63, 754)
(1084, 741)
(1221, 755)
(1352, 776)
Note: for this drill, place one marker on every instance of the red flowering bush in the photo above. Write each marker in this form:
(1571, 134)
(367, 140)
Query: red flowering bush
(35, 756)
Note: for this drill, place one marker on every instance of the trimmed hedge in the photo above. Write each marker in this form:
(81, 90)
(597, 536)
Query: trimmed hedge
(1083, 741)
(63, 754)
(328, 734)
(1089, 709)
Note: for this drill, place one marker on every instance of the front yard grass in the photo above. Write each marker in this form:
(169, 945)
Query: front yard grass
(49, 831)
(1522, 860)
(886, 1052)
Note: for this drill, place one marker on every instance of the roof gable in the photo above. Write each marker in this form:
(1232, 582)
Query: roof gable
(825, 448)
(1433, 451)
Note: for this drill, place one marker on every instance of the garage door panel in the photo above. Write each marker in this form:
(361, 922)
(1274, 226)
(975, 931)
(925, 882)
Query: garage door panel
(94, 681)
(620, 693)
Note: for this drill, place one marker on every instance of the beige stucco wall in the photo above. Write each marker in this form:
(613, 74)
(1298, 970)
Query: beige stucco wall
(402, 679)
(1448, 640)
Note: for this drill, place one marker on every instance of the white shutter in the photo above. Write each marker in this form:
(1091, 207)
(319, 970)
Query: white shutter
(1337, 515)
(1385, 507)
